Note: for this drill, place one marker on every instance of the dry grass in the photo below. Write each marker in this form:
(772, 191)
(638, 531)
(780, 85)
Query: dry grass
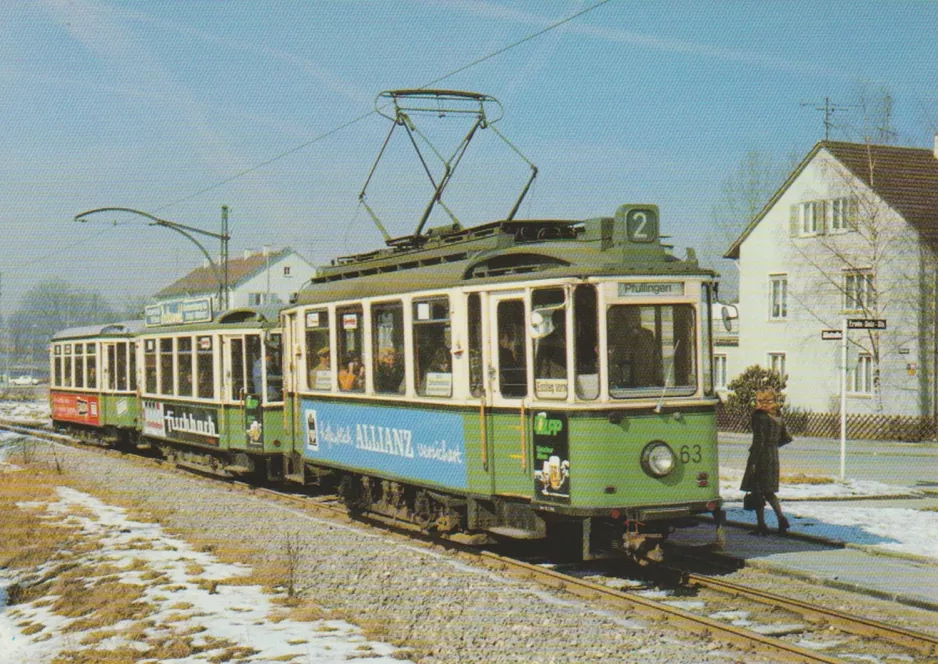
(99, 606)
(27, 539)
(801, 478)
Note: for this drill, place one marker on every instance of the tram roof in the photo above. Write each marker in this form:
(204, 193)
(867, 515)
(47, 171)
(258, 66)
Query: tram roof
(121, 329)
(496, 253)
(250, 317)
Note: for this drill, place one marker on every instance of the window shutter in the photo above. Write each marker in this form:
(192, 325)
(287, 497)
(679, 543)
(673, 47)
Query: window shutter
(793, 221)
(852, 212)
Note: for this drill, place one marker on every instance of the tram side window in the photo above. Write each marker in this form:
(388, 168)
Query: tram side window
(67, 364)
(318, 351)
(110, 358)
(91, 363)
(387, 344)
(476, 385)
(149, 366)
(166, 366)
(351, 369)
(252, 347)
(433, 360)
(57, 365)
(132, 355)
(549, 334)
(237, 369)
(651, 348)
(120, 372)
(184, 366)
(512, 365)
(205, 363)
(274, 364)
(79, 365)
(586, 340)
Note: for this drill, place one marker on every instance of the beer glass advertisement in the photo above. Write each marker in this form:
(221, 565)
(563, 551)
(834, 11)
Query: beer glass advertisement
(551, 457)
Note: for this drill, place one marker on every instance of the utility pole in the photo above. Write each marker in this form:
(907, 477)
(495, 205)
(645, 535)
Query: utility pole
(829, 110)
(223, 299)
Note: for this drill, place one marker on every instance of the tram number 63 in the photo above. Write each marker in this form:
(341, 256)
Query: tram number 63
(690, 453)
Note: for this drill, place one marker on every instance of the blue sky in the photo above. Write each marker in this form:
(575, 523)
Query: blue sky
(145, 105)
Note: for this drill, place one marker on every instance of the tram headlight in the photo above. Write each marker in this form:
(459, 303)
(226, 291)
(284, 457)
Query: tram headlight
(658, 459)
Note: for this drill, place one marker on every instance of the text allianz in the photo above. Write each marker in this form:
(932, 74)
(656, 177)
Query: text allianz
(385, 440)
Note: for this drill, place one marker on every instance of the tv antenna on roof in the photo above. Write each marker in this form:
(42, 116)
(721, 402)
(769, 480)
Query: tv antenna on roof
(829, 109)
(400, 106)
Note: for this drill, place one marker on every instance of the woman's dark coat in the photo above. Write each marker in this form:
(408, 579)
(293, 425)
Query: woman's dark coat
(762, 468)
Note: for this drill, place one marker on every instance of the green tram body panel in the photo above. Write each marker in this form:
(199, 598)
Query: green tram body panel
(442, 448)
(119, 410)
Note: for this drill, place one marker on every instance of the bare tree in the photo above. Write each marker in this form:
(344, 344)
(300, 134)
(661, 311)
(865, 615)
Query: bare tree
(743, 194)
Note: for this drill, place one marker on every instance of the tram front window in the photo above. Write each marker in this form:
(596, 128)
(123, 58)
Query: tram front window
(652, 350)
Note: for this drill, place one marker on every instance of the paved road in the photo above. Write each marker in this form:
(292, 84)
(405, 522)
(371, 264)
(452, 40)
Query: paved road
(901, 464)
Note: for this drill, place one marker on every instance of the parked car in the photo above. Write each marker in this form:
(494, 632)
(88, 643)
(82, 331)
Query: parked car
(24, 380)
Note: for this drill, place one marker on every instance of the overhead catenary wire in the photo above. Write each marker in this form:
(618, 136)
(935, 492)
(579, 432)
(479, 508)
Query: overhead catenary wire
(363, 116)
(327, 134)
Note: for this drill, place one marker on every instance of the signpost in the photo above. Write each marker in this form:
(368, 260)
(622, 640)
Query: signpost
(841, 336)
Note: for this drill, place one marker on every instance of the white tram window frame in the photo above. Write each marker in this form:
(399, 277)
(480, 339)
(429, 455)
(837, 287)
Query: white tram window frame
(92, 368)
(375, 352)
(324, 379)
(433, 384)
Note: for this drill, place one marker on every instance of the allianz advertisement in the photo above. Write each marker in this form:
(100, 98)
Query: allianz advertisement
(419, 445)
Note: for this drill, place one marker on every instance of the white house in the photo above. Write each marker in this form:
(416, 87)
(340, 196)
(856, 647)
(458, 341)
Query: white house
(726, 360)
(851, 235)
(262, 277)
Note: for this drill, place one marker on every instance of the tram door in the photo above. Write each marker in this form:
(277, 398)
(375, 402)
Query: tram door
(245, 376)
(508, 386)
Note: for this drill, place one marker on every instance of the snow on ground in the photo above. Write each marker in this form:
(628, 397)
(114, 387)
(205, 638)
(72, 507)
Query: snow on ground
(181, 585)
(24, 411)
(815, 510)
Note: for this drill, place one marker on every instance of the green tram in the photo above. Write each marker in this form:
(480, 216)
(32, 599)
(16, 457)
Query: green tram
(521, 379)
(211, 391)
(93, 391)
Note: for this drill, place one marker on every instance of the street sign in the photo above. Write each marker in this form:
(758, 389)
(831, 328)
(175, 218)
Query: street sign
(832, 335)
(866, 323)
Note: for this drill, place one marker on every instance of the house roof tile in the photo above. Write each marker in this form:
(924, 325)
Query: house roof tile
(202, 279)
(905, 178)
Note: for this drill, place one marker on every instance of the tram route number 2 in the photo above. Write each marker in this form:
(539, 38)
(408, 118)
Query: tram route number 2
(642, 225)
(690, 453)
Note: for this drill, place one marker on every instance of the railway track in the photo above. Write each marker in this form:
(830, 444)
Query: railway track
(873, 636)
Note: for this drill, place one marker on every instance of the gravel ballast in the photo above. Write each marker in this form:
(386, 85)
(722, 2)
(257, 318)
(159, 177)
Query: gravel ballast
(434, 602)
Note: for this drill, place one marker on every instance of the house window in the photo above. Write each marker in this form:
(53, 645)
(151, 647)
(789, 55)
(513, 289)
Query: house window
(861, 376)
(719, 372)
(257, 299)
(812, 217)
(859, 292)
(287, 271)
(843, 214)
(778, 296)
(777, 363)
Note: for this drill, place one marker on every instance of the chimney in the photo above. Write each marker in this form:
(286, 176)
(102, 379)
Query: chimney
(936, 146)
(266, 250)
(247, 253)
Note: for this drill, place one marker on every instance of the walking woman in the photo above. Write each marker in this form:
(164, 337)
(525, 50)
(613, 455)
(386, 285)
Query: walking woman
(762, 468)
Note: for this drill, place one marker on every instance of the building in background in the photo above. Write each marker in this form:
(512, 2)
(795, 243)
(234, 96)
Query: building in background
(257, 278)
(851, 235)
